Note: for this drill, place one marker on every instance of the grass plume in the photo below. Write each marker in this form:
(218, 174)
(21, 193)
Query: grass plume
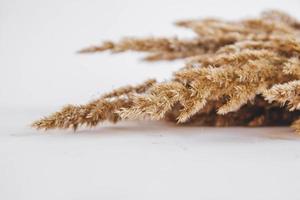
(243, 73)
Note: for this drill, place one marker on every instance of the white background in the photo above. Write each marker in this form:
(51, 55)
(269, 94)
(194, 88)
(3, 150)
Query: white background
(40, 72)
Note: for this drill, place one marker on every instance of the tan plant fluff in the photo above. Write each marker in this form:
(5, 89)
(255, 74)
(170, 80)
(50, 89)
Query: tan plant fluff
(243, 73)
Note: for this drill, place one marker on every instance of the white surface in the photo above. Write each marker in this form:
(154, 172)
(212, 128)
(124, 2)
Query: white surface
(131, 160)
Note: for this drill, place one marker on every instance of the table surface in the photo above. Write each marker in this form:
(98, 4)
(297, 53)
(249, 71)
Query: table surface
(146, 160)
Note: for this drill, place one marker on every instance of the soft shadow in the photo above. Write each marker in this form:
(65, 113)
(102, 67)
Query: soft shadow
(166, 128)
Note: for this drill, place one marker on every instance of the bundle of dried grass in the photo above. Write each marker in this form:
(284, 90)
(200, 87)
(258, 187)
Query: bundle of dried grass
(243, 73)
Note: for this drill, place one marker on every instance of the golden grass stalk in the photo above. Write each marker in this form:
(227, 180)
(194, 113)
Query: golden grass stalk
(243, 73)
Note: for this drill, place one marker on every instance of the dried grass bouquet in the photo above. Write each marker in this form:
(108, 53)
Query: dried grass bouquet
(237, 73)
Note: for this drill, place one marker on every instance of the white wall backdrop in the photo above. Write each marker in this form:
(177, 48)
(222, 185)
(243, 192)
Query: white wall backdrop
(39, 38)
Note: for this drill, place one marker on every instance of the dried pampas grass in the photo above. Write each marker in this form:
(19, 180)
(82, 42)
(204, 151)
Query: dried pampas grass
(241, 73)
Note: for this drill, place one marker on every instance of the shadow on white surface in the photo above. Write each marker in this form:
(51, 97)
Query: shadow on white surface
(165, 129)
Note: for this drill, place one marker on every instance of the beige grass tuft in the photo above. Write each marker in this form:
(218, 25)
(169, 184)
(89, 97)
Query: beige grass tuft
(237, 73)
